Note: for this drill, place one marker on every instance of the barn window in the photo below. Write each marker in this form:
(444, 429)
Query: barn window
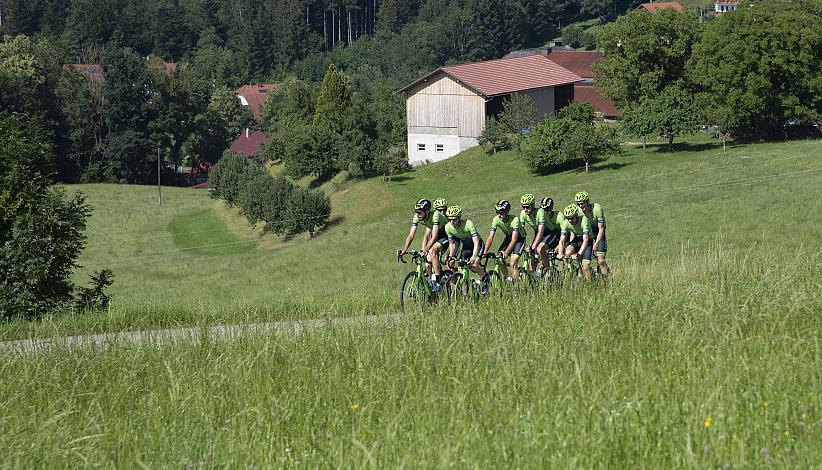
(440, 147)
(421, 147)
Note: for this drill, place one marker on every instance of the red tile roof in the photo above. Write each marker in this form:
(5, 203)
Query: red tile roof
(255, 96)
(579, 62)
(94, 71)
(654, 7)
(505, 76)
(591, 94)
(248, 143)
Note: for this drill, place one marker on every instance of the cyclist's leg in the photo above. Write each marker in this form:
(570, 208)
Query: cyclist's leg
(475, 266)
(586, 262)
(434, 258)
(542, 250)
(515, 254)
(503, 268)
(600, 253)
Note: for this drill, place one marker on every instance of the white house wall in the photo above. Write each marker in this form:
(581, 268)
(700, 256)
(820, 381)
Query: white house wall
(444, 118)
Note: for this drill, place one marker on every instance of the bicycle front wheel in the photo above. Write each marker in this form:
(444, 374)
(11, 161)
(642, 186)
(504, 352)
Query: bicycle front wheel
(412, 292)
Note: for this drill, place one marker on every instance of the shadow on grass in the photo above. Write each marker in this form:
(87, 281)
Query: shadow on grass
(333, 222)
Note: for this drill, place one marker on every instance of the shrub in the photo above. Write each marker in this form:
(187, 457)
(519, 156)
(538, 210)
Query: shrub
(307, 210)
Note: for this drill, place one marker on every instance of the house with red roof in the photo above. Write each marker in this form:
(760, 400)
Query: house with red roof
(249, 143)
(254, 97)
(654, 7)
(446, 110)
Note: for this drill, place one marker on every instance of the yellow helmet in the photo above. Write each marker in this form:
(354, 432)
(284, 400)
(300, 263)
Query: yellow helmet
(581, 196)
(527, 200)
(570, 211)
(453, 211)
(440, 202)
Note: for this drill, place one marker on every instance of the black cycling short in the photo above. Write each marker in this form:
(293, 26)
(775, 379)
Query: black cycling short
(551, 240)
(518, 246)
(586, 255)
(465, 250)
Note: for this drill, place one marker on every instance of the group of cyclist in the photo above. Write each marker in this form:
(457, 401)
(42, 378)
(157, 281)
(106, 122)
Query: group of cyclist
(576, 232)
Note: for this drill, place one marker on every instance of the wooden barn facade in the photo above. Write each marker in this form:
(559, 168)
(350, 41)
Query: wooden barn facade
(446, 110)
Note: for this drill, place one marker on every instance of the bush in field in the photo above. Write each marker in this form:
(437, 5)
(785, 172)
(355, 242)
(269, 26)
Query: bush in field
(41, 230)
(563, 140)
(225, 179)
(307, 210)
(275, 197)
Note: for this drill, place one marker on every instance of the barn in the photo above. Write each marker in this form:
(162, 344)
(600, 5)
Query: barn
(446, 110)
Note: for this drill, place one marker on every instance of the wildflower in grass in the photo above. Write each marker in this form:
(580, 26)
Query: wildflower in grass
(787, 434)
(355, 407)
(708, 421)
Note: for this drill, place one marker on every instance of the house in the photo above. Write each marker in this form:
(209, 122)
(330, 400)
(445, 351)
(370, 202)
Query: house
(93, 71)
(580, 63)
(254, 97)
(446, 110)
(654, 7)
(167, 68)
(725, 6)
(586, 91)
(248, 143)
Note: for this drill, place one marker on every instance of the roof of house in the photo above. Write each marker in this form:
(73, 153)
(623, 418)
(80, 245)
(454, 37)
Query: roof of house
(255, 96)
(506, 76)
(579, 62)
(249, 143)
(656, 6)
(591, 94)
(94, 71)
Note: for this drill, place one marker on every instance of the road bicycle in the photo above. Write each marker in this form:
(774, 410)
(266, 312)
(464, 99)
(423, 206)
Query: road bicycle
(415, 290)
(459, 285)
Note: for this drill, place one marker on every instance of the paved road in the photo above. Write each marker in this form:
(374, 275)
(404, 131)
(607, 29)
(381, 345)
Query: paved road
(176, 335)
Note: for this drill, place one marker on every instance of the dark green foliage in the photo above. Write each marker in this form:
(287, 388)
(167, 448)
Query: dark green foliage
(669, 113)
(282, 206)
(391, 162)
(495, 135)
(334, 99)
(41, 231)
(560, 141)
(519, 114)
(574, 36)
(761, 67)
(290, 104)
(95, 297)
(583, 113)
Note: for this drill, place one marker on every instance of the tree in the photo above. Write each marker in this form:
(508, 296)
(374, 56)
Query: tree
(586, 142)
(583, 113)
(307, 210)
(291, 103)
(670, 113)
(227, 108)
(41, 231)
(334, 99)
(494, 135)
(644, 53)
(758, 69)
(561, 140)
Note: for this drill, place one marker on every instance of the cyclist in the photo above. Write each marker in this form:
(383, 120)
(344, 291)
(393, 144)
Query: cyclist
(534, 218)
(463, 235)
(576, 224)
(433, 239)
(509, 226)
(549, 231)
(596, 216)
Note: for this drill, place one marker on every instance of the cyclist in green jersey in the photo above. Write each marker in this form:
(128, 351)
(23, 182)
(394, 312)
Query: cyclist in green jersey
(576, 224)
(512, 244)
(533, 218)
(596, 215)
(463, 236)
(549, 231)
(433, 239)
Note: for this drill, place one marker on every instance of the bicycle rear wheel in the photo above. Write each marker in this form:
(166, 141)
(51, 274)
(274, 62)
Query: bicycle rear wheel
(412, 292)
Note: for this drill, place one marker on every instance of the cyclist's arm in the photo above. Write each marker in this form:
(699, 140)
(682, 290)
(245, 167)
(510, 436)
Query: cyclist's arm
(538, 237)
(452, 245)
(561, 245)
(427, 239)
(490, 240)
(511, 244)
(476, 239)
(409, 238)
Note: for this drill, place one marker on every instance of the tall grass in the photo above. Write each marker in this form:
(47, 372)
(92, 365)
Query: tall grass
(187, 263)
(700, 359)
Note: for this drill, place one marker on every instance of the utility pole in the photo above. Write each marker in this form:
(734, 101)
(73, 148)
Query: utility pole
(159, 188)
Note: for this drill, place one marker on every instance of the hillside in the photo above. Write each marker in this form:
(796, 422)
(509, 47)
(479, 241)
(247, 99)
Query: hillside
(194, 262)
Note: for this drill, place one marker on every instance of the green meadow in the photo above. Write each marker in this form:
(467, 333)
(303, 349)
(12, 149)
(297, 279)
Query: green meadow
(702, 351)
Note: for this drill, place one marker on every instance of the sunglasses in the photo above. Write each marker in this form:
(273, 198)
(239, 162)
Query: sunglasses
(453, 218)
(582, 203)
(501, 212)
(441, 208)
(526, 206)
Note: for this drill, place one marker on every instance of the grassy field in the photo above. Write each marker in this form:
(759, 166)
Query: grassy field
(193, 262)
(703, 351)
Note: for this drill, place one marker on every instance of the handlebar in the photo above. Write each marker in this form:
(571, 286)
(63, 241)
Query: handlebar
(461, 262)
(414, 256)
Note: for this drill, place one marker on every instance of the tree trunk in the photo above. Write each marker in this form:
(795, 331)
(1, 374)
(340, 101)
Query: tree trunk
(339, 23)
(325, 28)
(586, 165)
(349, 29)
(643, 142)
(670, 141)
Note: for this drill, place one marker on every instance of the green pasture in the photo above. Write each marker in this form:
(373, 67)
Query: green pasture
(191, 262)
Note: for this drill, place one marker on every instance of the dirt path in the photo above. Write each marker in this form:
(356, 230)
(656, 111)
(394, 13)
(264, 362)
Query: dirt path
(178, 335)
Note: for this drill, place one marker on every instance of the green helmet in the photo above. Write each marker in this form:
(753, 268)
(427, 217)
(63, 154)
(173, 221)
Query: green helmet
(440, 202)
(502, 205)
(527, 200)
(453, 211)
(570, 211)
(581, 196)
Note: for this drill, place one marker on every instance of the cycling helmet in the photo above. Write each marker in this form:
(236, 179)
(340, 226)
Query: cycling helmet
(422, 205)
(570, 211)
(581, 196)
(527, 200)
(546, 203)
(440, 202)
(453, 211)
(502, 205)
